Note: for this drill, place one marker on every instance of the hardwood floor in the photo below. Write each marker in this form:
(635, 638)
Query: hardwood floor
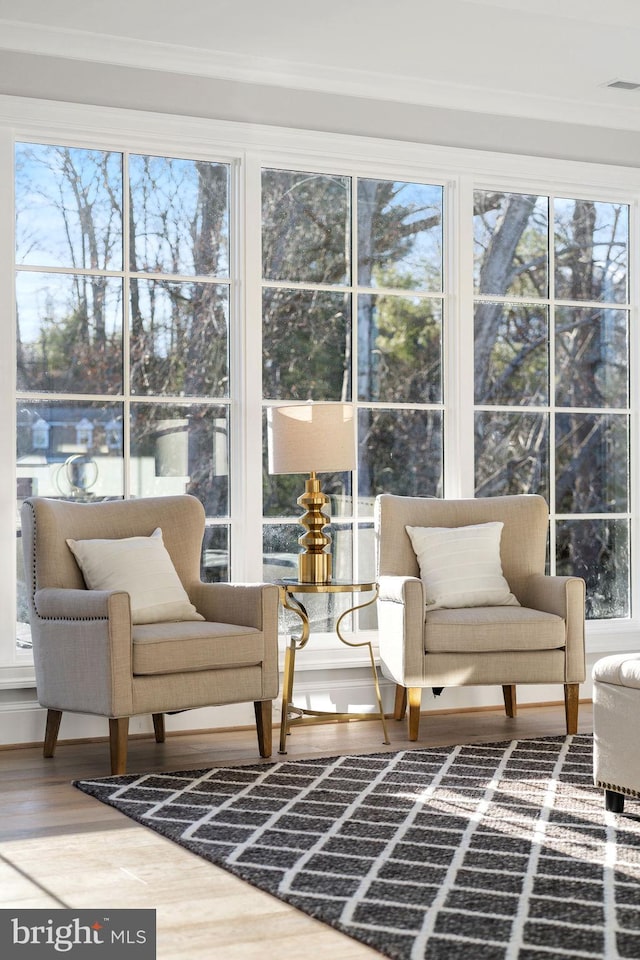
(61, 848)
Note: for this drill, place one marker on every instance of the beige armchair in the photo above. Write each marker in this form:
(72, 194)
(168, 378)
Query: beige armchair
(539, 641)
(91, 656)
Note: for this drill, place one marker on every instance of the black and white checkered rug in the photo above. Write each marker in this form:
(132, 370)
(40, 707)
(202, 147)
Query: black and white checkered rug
(496, 851)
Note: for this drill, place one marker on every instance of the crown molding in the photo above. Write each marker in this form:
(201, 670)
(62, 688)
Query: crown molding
(140, 54)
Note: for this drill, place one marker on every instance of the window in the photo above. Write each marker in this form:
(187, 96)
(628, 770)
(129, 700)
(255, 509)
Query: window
(122, 305)
(552, 376)
(383, 280)
(353, 311)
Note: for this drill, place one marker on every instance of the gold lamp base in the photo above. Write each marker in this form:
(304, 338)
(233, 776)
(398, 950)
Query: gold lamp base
(314, 567)
(314, 564)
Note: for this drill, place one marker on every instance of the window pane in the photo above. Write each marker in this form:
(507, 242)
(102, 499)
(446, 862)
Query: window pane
(592, 454)
(179, 338)
(591, 250)
(69, 336)
(511, 353)
(306, 345)
(367, 618)
(400, 451)
(69, 450)
(597, 551)
(68, 207)
(399, 235)
(511, 454)
(399, 349)
(592, 350)
(510, 244)
(23, 624)
(280, 552)
(215, 554)
(342, 552)
(180, 216)
(305, 227)
(181, 449)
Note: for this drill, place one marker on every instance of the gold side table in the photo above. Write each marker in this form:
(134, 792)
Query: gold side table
(294, 716)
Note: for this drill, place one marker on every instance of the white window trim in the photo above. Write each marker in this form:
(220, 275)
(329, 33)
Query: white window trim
(248, 147)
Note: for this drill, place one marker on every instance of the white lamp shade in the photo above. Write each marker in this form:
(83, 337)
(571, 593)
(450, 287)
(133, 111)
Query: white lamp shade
(311, 437)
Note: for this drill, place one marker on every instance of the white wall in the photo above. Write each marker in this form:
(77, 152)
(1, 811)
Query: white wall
(75, 81)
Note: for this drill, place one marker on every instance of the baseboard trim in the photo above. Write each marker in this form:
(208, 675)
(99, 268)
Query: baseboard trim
(247, 725)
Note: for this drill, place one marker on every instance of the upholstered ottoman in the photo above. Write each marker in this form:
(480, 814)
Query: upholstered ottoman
(616, 717)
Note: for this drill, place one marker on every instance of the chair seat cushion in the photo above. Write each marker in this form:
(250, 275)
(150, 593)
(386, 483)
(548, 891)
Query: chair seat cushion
(492, 629)
(160, 648)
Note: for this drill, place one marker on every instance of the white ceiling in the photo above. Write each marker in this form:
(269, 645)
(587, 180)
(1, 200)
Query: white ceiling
(544, 59)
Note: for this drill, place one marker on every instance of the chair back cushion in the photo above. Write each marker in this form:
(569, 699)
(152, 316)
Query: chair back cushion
(47, 524)
(522, 544)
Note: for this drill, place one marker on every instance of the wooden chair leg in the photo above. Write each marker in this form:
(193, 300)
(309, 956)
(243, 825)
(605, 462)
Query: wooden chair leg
(414, 696)
(571, 692)
(400, 706)
(118, 734)
(510, 704)
(51, 732)
(264, 726)
(158, 727)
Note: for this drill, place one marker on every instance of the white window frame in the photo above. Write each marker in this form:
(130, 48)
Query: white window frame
(582, 192)
(353, 289)
(248, 148)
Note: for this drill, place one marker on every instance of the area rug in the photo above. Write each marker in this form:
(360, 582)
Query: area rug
(498, 851)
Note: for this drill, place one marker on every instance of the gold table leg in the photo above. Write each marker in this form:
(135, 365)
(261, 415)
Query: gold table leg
(287, 692)
(297, 643)
(366, 643)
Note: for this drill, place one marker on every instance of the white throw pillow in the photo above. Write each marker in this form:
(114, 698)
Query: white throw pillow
(142, 567)
(460, 566)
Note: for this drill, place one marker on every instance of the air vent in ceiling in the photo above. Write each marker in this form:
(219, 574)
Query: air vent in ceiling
(623, 85)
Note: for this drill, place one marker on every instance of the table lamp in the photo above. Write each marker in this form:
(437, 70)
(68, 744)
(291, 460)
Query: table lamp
(312, 438)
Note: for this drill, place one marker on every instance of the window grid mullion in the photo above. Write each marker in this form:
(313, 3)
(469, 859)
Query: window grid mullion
(126, 329)
(355, 366)
(553, 523)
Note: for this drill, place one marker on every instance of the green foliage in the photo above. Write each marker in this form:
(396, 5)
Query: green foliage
(404, 364)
